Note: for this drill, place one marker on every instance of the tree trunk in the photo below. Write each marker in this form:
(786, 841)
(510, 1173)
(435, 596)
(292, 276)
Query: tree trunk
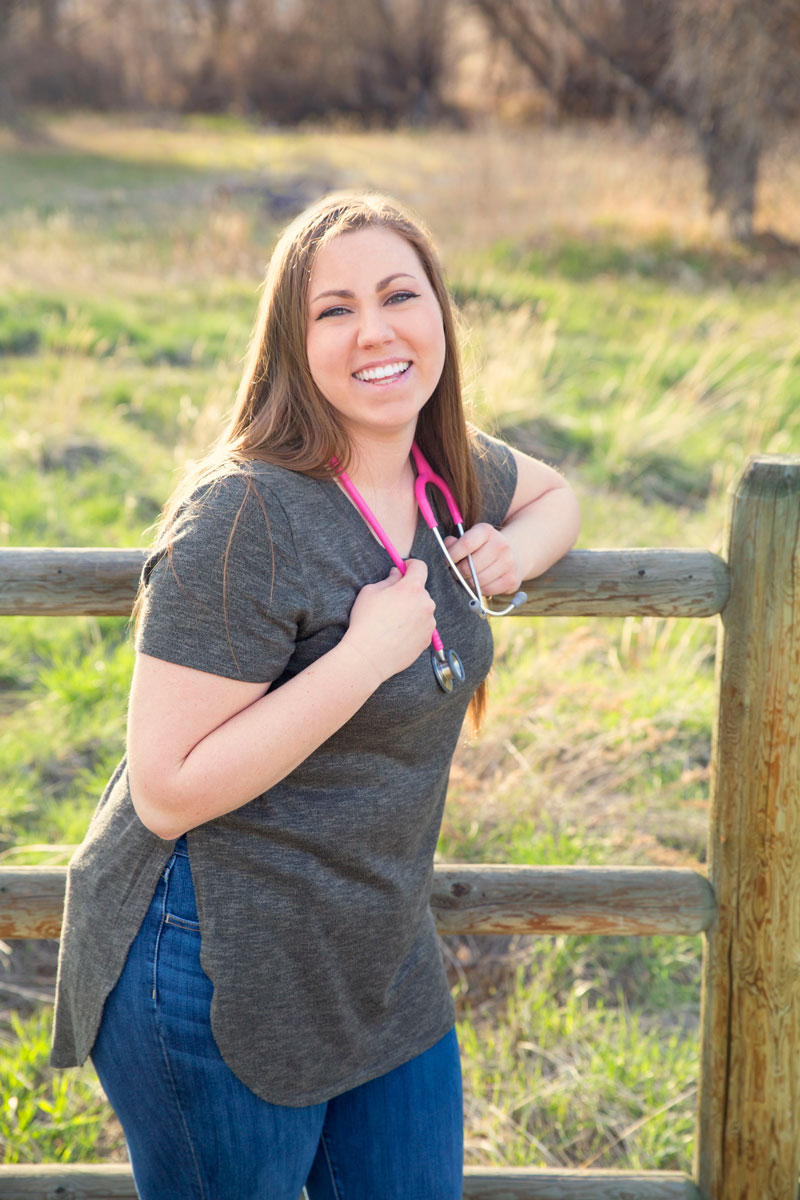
(727, 56)
(48, 21)
(732, 156)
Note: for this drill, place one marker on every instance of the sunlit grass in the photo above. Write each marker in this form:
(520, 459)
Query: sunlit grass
(47, 1115)
(565, 1077)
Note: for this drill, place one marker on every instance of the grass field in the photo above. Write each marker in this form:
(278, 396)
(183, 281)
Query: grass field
(612, 330)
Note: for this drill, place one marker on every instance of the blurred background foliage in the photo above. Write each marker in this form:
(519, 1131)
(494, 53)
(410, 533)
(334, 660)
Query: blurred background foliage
(727, 69)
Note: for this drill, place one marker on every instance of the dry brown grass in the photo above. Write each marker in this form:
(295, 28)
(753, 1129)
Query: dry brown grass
(475, 187)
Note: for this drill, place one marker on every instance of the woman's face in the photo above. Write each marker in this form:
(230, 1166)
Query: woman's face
(375, 339)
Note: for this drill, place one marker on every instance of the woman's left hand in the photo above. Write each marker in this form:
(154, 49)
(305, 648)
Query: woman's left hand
(493, 556)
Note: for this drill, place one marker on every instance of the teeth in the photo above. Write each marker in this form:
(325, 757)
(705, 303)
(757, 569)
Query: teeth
(382, 372)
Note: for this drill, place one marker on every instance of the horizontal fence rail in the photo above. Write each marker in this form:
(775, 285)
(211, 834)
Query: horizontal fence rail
(611, 583)
(480, 898)
(115, 1182)
(487, 898)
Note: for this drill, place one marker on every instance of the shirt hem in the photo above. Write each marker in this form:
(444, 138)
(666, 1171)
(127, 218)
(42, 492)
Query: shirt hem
(321, 1095)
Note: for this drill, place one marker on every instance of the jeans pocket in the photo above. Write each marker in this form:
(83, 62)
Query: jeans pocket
(176, 958)
(181, 923)
(180, 906)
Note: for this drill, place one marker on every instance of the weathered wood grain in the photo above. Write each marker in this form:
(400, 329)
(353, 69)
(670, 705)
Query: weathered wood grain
(484, 898)
(31, 902)
(749, 1104)
(619, 583)
(510, 1183)
(670, 583)
(115, 1182)
(68, 581)
(465, 899)
(57, 1181)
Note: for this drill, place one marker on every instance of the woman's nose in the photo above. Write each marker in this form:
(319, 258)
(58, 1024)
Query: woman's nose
(374, 327)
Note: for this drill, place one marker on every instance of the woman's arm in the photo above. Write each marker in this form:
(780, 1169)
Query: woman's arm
(542, 524)
(200, 745)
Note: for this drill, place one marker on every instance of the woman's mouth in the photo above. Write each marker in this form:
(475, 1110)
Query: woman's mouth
(382, 374)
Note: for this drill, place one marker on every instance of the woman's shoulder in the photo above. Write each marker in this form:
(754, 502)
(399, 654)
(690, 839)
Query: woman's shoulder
(271, 476)
(230, 502)
(487, 445)
(496, 470)
(491, 455)
(235, 481)
(232, 522)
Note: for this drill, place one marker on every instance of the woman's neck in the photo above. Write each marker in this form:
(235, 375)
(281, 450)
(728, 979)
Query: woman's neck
(383, 475)
(381, 465)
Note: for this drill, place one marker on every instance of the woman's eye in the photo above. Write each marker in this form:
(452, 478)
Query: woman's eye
(335, 310)
(396, 297)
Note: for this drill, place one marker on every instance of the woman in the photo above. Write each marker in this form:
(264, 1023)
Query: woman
(248, 952)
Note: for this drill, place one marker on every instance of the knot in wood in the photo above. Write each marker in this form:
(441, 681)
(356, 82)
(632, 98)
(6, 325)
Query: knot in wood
(459, 889)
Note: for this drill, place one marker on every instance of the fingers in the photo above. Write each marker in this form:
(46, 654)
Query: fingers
(471, 542)
(413, 584)
(416, 572)
(392, 578)
(467, 544)
(492, 556)
(391, 622)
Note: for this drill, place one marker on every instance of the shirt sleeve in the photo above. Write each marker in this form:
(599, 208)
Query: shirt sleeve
(496, 469)
(228, 595)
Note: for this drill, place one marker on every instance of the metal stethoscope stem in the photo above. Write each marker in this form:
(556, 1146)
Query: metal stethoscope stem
(476, 600)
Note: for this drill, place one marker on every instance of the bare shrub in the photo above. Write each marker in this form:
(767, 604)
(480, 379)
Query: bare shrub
(379, 61)
(382, 61)
(590, 60)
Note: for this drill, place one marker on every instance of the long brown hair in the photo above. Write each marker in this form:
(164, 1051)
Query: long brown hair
(281, 417)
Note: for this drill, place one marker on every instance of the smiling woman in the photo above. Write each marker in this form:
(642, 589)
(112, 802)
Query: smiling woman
(248, 952)
(377, 352)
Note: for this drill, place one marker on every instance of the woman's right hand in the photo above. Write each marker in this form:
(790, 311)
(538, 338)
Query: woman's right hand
(392, 622)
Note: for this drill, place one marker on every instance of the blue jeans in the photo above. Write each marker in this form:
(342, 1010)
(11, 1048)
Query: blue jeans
(196, 1132)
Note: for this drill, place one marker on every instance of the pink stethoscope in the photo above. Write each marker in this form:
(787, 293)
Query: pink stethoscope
(447, 666)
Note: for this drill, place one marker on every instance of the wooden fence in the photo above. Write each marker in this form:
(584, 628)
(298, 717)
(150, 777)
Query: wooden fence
(748, 910)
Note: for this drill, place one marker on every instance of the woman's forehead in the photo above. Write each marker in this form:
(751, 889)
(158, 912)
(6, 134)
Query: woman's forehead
(360, 254)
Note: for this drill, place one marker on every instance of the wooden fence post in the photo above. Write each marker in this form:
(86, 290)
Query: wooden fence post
(748, 1141)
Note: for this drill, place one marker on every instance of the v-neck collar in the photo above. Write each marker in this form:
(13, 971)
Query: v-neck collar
(344, 505)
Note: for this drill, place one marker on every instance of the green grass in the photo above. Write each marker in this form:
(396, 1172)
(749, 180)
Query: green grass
(47, 1116)
(62, 727)
(629, 345)
(571, 1076)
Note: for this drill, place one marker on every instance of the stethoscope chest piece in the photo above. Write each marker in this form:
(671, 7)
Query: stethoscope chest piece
(448, 669)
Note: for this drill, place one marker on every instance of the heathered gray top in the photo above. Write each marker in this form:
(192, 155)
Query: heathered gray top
(313, 897)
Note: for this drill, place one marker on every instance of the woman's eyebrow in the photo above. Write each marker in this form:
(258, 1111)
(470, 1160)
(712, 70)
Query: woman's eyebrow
(379, 286)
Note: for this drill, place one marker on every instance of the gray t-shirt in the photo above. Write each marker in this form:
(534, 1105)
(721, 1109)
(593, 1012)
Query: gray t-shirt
(312, 898)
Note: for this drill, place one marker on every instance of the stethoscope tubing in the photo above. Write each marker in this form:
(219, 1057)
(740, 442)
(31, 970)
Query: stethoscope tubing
(383, 537)
(447, 665)
(426, 476)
